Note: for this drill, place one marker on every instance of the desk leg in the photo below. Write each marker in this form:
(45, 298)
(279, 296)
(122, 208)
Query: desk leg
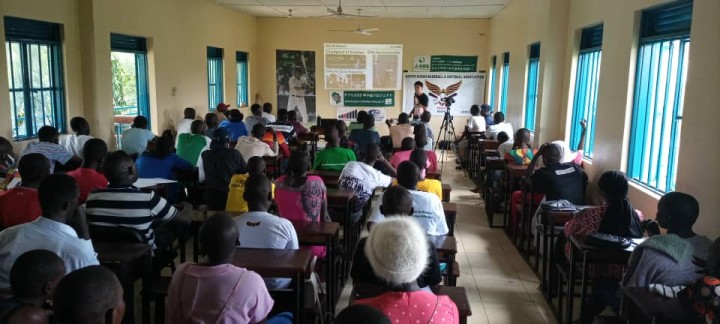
(571, 287)
(330, 280)
(299, 304)
(583, 285)
(508, 194)
(548, 260)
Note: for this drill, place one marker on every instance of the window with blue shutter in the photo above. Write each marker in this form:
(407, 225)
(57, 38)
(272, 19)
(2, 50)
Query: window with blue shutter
(491, 81)
(505, 75)
(131, 96)
(241, 62)
(215, 76)
(587, 77)
(532, 86)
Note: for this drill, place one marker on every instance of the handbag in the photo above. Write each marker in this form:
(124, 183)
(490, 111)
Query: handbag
(608, 241)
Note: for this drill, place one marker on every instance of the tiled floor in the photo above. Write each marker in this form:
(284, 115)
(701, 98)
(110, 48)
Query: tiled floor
(500, 285)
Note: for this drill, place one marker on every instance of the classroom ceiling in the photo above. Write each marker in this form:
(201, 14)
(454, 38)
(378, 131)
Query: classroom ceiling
(376, 8)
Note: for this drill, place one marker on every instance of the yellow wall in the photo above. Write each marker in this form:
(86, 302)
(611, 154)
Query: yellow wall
(697, 148)
(418, 37)
(178, 32)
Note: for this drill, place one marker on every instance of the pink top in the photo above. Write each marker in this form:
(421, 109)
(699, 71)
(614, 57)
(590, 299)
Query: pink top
(304, 203)
(218, 294)
(402, 156)
(415, 307)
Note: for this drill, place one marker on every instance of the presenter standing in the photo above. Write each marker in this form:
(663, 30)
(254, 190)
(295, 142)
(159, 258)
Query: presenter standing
(421, 101)
(298, 84)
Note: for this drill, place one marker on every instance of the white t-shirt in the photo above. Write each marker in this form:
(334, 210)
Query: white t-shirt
(477, 123)
(270, 117)
(74, 143)
(250, 146)
(428, 211)
(183, 126)
(494, 130)
(301, 83)
(505, 148)
(362, 179)
(262, 230)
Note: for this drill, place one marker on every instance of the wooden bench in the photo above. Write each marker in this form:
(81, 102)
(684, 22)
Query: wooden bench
(446, 189)
(450, 210)
(459, 297)
(446, 247)
(640, 304)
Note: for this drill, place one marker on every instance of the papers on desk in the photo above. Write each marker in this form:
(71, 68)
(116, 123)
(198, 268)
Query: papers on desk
(151, 182)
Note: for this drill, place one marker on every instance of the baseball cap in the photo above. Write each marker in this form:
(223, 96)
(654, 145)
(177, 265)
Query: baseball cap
(222, 107)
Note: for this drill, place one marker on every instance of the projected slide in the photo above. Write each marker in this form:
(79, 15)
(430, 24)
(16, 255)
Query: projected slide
(363, 66)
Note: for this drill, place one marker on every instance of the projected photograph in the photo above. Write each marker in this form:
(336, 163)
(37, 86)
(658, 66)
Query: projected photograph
(355, 62)
(346, 81)
(295, 72)
(385, 72)
(363, 66)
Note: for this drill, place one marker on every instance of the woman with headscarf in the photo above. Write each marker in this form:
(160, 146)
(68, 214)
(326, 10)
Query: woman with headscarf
(617, 217)
(567, 153)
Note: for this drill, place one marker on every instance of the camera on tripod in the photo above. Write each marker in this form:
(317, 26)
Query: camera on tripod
(448, 102)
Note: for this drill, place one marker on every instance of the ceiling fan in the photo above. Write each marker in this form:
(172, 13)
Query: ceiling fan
(362, 31)
(289, 15)
(340, 14)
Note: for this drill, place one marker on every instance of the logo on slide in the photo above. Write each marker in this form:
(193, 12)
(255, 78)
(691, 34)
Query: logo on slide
(442, 96)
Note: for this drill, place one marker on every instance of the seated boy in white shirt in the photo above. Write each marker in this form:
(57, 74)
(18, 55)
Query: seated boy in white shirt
(427, 207)
(259, 229)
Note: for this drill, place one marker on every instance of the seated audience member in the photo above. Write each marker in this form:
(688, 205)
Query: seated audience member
(499, 125)
(425, 122)
(297, 126)
(212, 123)
(135, 139)
(521, 151)
(397, 251)
(361, 314)
(216, 291)
(401, 130)
(48, 146)
(396, 202)
(163, 163)
(485, 112)
(427, 208)
(271, 136)
(567, 153)
(333, 157)
(255, 118)
(421, 142)
(261, 230)
(359, 123)
(253, 145)
(366, 135)
(221, 111)
(88, 176)
(505, 144)
(75, 142)
(236, 201)
(184, 126)
(267, 112)
(475, 123)
(220, 163)
(89, 296)
(362, 178)
(33, 278)
(617, 217)
(123, 205)
(62, 229)
(433, 186)
(20, 205)
(7, 157)
(667, 259)
(345, 141)
(300, 197)
(283, 125)
(234, 125)
(191, 145)
(406, 147)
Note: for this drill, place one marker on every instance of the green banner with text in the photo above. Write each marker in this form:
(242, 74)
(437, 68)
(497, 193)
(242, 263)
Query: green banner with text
(362, 98)
(449, 63)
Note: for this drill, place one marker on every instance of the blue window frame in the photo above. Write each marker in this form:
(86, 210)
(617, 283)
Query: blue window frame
(505, 75)
(491, 81)
(532, 86)
(241, 59)
(587, 77)
(35, 75)
(659, 94)
(128, 55)
(215, 76)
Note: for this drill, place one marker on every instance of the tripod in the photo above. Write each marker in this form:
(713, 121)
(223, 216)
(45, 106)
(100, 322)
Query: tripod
(447, 129)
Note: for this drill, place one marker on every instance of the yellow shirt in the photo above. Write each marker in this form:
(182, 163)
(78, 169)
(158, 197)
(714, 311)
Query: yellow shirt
(433, 186)
(236, 202)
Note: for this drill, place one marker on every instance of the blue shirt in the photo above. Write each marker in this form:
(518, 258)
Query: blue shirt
(489, 121)
(363, 137)
(235, 129)
(134, 140)
(148, 166)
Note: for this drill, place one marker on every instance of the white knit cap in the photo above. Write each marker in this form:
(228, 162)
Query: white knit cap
(397, 250)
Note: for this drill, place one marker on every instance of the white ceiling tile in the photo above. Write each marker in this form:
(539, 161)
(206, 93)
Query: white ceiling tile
(353, 3)
(412, 12)
(296, 3)
(412, 3)
(259, 11)
(303, 11)
(470, 12)
(454, 3)
(239, 2)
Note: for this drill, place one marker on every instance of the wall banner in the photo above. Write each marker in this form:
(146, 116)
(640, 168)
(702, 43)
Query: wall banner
(445, 63)
(296, 83)
(349, 114)
(465, 89)
(362, 98)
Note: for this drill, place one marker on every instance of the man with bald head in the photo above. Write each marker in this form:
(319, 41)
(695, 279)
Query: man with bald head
(557, 180)
(215, 290)
(396, 202)
(333, 157)
(87, 296)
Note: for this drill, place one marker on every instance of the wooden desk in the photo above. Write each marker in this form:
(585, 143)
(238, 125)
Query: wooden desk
(330, 178)
(327, 235)
(433, 175)
(446, 190)
(446, 247)
(272, 263)
(459, 297)
(586, 253)
(313, 138)
(552, 224)
(450, 210)
(129, 262)
(640, 305)
(345, 199)
(512, 173)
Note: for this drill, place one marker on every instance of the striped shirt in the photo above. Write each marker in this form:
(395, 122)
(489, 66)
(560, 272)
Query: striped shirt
(129, 207)
(53, 152)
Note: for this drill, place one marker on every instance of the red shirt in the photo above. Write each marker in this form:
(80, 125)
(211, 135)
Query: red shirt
(88, 180)
(415, 307)
(19, 205)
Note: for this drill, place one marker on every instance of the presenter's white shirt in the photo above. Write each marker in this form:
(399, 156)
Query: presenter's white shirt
(428, 211)
(494, 130)
(302, 83)
(261, 230)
